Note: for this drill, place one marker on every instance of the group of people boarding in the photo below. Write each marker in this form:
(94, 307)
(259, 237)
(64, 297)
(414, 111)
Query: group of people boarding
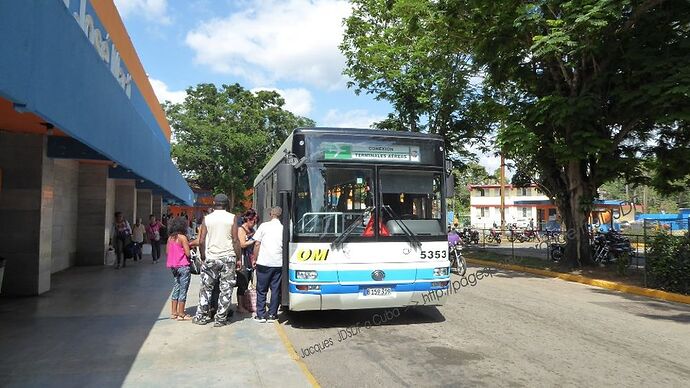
(231, 250)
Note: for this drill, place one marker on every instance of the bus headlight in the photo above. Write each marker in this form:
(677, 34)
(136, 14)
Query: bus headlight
(306, 275)
(441, 271)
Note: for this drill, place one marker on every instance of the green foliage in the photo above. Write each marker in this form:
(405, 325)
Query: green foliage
(223, 136)
(641, 195)
(668, 263)
(584, 86)
(580, 92)
(405, 52)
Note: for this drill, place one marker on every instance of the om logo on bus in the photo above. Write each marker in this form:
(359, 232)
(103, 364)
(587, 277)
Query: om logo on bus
(304, 254)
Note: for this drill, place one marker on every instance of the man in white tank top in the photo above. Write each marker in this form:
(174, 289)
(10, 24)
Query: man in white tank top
(218, 238)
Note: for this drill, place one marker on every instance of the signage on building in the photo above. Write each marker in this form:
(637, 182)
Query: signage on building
(342, 151)
(101, 42)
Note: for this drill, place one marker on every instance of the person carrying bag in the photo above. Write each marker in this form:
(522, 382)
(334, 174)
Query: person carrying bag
(245, 294)
(121, 239)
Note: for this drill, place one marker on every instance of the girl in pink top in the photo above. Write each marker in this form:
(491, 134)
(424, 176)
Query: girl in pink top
(178, 262)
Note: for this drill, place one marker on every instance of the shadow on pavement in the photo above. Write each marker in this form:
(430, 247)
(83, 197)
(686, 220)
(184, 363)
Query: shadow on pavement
(653, 308)
(86, 331)
(376, 317)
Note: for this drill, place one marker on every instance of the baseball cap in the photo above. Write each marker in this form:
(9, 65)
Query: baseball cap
(221, 199)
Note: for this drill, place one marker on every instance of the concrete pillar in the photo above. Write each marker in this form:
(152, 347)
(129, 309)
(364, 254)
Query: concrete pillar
(144, 202)
(65, 214)
(95, 213)
(157, 207)
(126, 198)
(26, 211)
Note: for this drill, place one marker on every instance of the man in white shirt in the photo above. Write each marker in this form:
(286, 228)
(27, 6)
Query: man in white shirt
(268, 249)
(218, 239)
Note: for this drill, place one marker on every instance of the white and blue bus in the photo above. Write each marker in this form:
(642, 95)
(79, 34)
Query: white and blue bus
(363, 216)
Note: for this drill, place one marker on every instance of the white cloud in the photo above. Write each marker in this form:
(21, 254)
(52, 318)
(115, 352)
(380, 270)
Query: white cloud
(165, 94)
(272, 40)
(298, 101)
(152, 10)
(356, 118)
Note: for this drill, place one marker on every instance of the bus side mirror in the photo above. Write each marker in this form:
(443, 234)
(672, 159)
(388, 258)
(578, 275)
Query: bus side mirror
(450, 185)
(286, 175)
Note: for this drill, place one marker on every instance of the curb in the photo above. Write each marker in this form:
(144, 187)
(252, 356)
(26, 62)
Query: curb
(648, 292)
(293, 354)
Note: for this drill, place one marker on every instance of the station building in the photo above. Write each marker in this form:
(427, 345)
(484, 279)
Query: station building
(522, 204)
(82, 135)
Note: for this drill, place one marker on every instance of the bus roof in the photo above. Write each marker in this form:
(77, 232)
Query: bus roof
(287, 144)
(367, 132)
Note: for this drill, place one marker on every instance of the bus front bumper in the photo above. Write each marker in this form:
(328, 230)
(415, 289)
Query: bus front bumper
(304, 301)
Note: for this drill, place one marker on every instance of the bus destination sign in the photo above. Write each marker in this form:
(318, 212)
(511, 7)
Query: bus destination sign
(371, 152)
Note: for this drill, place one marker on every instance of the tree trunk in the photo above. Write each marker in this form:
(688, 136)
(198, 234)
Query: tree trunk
(231, 198)
(575, 208)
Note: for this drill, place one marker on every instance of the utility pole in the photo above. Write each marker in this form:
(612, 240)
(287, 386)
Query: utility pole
(503, 191)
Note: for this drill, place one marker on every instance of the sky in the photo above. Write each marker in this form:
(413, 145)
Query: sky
(290, 46)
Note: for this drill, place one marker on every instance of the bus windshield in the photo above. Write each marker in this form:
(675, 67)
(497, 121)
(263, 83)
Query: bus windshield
(411, 200)
(330, 200)
(333, 200)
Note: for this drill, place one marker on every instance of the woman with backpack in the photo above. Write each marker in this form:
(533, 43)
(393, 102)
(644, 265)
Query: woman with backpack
(178, 254)
(120, 238)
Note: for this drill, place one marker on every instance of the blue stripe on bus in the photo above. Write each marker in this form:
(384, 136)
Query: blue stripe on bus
(351, 276)
(331, 289)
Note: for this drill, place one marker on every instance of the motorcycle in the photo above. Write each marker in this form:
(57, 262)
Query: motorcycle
(611, 246)
(556, 251)
(493, 236)
(469, 236)
(457, 261)
(531, 234)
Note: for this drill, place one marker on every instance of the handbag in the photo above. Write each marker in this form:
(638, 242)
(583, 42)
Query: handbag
(195, 261)
(110, 257)
(129, 250)
(249, 297)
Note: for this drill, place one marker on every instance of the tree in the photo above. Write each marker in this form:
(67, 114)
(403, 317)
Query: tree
(585, 87)
(581, 92)
(223, 136)
(424, 76)
(642, 195)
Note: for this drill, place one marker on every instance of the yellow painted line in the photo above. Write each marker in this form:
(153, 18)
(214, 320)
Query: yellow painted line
(293, 354)
(648, 292)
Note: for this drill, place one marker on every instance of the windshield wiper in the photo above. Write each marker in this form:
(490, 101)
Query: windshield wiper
(414, 241)
(348, 231)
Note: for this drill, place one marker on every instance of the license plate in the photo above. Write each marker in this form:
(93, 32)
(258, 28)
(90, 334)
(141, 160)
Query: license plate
(377, 291)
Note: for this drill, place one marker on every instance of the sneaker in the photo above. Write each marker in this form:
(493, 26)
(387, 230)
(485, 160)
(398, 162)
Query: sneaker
(259, 319)
(200, 321)
(220, 323)
(271, 318)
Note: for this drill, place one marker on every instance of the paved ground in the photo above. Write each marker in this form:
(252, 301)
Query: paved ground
(511, 329)
(100, 328)
(104, 328)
